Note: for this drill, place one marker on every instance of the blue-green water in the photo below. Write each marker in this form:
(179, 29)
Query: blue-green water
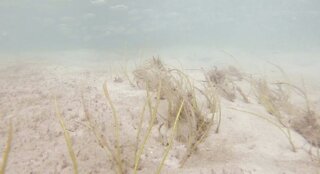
(206, 33)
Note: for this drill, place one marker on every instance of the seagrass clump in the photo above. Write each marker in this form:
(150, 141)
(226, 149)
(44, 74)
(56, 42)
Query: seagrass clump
(308, 125)
(151, 74)
(266, 96)
(225, 81)
(276, 98)
(305, 118)
(195, 120)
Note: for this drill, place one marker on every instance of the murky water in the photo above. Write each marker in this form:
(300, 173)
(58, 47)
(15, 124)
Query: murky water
(65, 54)
(206, 33)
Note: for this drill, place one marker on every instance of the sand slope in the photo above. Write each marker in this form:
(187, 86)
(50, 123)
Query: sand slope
(245, 144)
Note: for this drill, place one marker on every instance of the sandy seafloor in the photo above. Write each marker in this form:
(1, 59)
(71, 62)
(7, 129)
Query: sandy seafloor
(244, 145)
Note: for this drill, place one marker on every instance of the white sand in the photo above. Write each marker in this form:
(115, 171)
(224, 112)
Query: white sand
(245, 144)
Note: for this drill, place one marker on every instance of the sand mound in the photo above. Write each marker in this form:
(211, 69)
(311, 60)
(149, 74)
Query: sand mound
(252, 138)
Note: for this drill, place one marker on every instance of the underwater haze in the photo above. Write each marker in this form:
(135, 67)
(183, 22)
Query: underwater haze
(160, 86)
(185, 29)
